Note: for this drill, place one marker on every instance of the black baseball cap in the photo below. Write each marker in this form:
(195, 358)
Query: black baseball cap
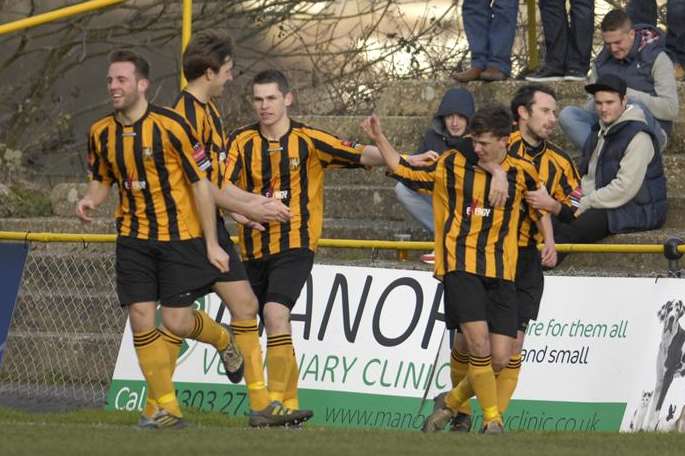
(608, 83)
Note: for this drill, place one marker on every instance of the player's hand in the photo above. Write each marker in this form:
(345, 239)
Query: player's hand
(548, 255)
(239, 218)
(217, 256)
(499, 189)
(540, 199)
(82, 208)
(372, 126)
(424, 159)
(268, 210)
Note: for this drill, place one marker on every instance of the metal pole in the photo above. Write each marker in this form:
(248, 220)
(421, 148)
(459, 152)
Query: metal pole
(533, 59)
(56, 15)
(186, 31)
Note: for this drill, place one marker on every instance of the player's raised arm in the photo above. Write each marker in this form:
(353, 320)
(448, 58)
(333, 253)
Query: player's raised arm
(372, 126)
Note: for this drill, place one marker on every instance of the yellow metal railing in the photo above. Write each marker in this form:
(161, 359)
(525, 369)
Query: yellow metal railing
(92, 5)
(28, 236)
(57, 15)
(533, 59)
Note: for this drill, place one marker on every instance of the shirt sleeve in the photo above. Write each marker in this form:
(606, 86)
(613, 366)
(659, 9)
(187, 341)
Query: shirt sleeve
(334, 152)
(234, 164)
(191, 152)
(418, 179)
(531, 181)
(664, 104)
(99, 169)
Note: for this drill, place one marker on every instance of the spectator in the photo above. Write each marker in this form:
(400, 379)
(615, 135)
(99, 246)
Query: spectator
(490, 26)
(644, 12)
(568, 45)
(638, 55)
(447, 132)
(623, 187)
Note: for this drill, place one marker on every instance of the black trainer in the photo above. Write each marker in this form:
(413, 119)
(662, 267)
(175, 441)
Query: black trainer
(544, 74)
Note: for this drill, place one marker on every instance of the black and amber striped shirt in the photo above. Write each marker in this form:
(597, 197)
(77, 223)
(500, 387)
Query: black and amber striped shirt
(206, 120)
(153, 162)
(290, 169)
(556, 170)
(471, 235)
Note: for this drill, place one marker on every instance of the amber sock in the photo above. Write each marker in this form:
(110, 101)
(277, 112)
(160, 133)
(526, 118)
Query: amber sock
(247, 338)
(482, 378)
(208, 331)
(279, 348)
(459, 367)
(506, 382)
(154, 363)
(290, 399)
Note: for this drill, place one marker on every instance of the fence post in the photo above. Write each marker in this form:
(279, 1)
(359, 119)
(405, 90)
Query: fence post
(532, 37)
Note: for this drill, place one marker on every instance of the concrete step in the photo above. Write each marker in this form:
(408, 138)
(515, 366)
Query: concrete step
(94, 310)
(674, 166)
(406, 132)
(84, 271)
(421, 98)
(59, 359)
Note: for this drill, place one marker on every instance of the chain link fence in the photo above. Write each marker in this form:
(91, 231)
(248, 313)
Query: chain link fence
(67, 323)
(66, 329)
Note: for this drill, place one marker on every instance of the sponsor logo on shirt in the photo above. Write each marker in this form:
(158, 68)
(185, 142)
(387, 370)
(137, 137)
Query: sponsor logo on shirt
(475, 210)
(200, 157)
(134, 185)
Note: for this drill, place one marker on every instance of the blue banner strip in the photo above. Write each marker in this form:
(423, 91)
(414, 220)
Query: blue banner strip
(12, 260)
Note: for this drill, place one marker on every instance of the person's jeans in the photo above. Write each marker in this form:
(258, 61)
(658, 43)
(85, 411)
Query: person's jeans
(420, 206)
(568, 45)
(577, 122)
(644, 12)
(490, 30)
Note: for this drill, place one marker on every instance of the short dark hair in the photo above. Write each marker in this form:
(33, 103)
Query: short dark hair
(142, 68)
(525, 96)
(615, 19)
(207, 49)
(494, 119)
(269, 76)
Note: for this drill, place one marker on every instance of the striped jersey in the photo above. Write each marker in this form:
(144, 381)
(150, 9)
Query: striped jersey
(206, 120)
(290, 169)
(153, 162)
(556, 170)
(470, 235)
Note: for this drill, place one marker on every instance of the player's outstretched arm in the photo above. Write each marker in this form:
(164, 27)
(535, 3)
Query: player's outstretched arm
(541, 199)
(372, 157)
(95, 195)
(372, 126)
(204, 202)
(549, 250)
(250, 206)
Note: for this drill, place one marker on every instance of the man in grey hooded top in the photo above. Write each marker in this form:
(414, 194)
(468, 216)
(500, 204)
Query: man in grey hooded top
(447, 131)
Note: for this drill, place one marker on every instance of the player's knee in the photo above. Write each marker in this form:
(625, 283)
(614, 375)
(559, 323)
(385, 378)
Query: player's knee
(179, 323)
(499, 362)
(276, 319)
(247, 310)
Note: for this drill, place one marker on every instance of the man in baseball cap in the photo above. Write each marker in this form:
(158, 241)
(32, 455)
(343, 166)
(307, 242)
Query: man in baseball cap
(623, 183)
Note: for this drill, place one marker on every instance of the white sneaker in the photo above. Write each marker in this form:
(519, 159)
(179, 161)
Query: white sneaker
(428, 258)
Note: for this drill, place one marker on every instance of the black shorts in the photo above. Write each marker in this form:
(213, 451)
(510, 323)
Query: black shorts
(530, 283)
(172, 272)
(280, 278)
(236, 270)
(470, 297)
